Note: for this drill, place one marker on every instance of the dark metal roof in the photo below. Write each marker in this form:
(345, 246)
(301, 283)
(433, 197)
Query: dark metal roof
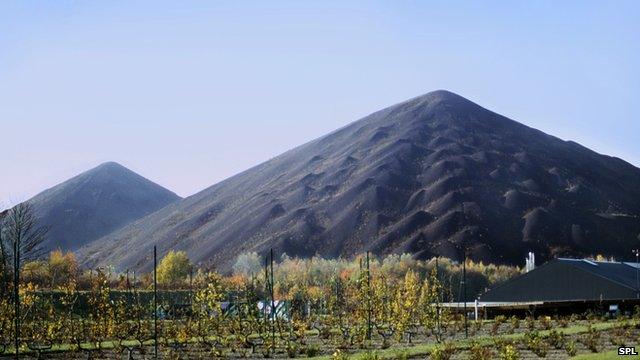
(619, 272)
(570, 280)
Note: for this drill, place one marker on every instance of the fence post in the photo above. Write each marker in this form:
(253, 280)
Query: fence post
(155, 303)
(368, 299)
(438, 300)
(464, 287)
(16, 292)
(273, 308)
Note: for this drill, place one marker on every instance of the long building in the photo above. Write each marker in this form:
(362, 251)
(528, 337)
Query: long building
(571, 285)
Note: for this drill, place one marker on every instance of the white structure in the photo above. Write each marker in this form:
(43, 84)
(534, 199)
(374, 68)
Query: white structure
(529, 262)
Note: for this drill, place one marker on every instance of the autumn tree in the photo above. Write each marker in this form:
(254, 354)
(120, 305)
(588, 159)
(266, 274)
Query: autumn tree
(427, 304)
(404, 305)
(362, 301)
(174, 268)
(22, 238)
(247, 264)
(36, 272)
(6, 322)
(207, 309)
(100, 322)
(4, 258)
(62, 268)
(22, 234)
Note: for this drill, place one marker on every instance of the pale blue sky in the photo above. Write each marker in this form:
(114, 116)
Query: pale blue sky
(188, 93)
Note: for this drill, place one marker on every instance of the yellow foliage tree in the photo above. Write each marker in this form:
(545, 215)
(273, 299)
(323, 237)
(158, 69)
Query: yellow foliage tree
(405, 304)
(63, 267)
(428, 310)
(35, 272)
(174, 268)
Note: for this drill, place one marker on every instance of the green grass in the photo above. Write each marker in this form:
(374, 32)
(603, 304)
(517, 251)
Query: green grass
(425, 349)
(411, 351)
(599, 356)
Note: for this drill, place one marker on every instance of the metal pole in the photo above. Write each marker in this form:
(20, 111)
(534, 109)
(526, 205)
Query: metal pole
(368, 299)
(267, 291)
(438, 300)
(637, 251)
(475, 308)
(464, 288)
(155, 302)
(16, 292)
(273, 308)
(4, 286)
(191, 295)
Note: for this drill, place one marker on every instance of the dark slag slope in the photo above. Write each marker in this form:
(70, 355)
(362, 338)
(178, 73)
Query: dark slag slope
(422, 176)
(96, 203)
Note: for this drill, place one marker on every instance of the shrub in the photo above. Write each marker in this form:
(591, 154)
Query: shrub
(590, 339)
(475, 328)
(401, 355)
(312, 351)
(370, 355)
(338, 355)
(479, 352)
(636, 312)
(515, 323)
(618, 341)
(545, 322)
(571, 348)
(618, 336)
(292, 350)
(443, 352)
(563, 322)
(531, 323)
(556, 339)
(534, 343)
(591, 316)
(497, 321)
(477, 325)
(509, 352)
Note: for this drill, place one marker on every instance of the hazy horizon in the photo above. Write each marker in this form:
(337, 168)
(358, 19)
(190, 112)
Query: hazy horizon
(188, 94)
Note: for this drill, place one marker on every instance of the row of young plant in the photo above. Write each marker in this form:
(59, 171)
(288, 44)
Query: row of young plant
(361, 308)
(540, 344)
(555, 343)
(231, 314)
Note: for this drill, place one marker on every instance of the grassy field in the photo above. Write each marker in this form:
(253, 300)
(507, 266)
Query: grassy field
(609, 355)
(460, 346)
(425, 349)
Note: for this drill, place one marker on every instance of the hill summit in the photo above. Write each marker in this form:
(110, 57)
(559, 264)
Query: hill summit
(96, 203)
(426, 176)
